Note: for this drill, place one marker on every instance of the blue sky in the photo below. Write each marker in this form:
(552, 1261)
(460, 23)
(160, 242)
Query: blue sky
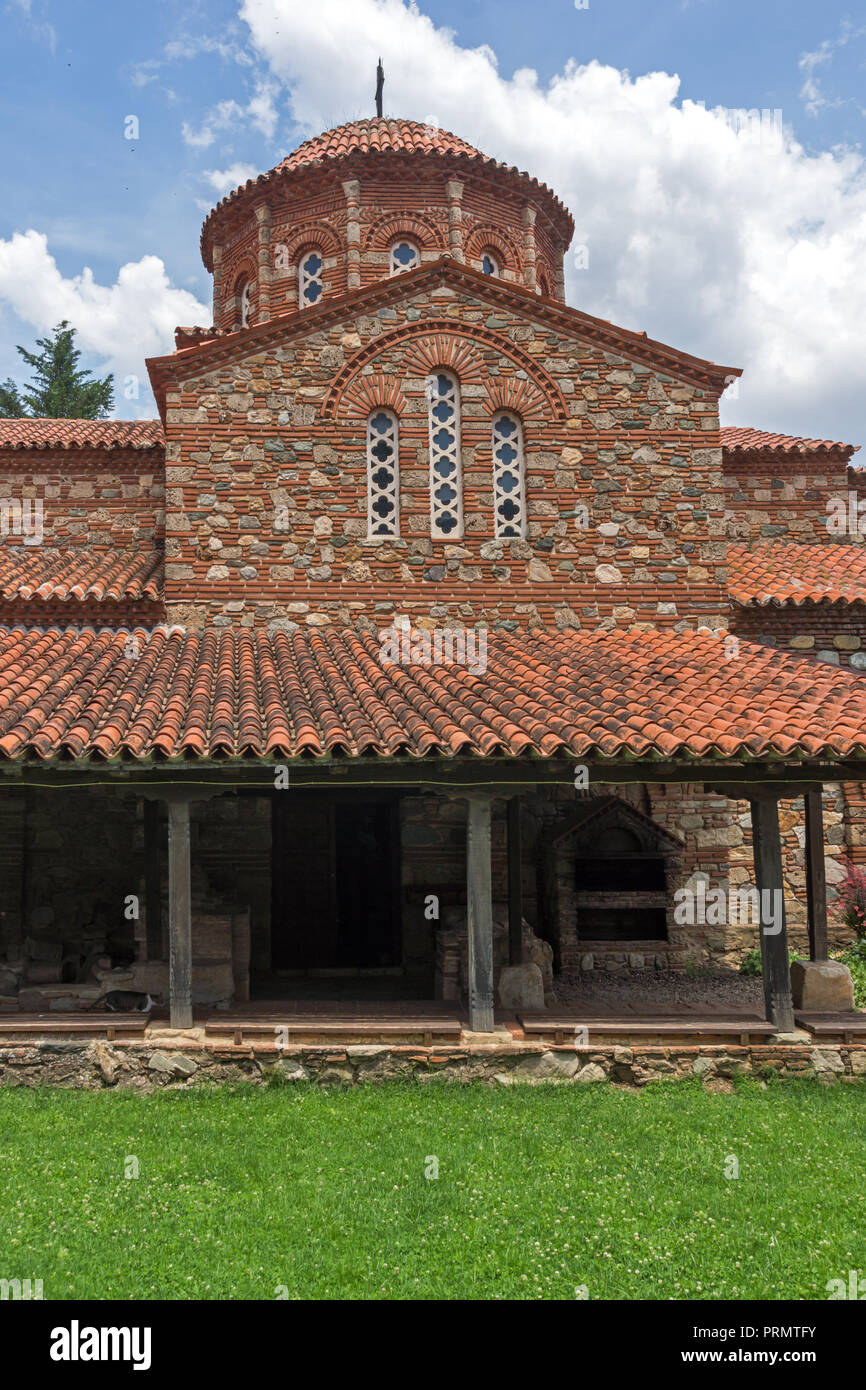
(674, 212)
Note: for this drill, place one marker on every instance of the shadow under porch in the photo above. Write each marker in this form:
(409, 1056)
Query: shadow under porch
(174, 888)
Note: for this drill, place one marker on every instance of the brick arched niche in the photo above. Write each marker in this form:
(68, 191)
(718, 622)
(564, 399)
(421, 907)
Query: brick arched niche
(608, 878)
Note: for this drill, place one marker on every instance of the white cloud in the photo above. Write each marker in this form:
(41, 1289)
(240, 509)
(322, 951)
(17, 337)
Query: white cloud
(744, 249)
(260, 112)
(39, 28)
(811, 93)
(223, 181)
(121, 323)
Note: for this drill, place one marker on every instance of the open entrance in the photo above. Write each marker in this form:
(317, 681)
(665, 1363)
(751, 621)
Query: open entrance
(335, 885)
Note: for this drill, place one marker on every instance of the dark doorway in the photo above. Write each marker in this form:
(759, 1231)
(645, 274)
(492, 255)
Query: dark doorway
(620, 890)
(335, 883)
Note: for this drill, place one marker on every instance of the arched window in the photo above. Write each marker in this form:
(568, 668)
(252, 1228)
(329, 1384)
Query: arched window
(404, 256)
(383, 475)
(446, 499)
(509, 501)
(544, 285)
(310, 287)
(489, 263)
(245, 303)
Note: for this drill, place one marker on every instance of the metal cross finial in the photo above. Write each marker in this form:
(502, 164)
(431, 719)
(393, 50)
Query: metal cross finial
(380, 82)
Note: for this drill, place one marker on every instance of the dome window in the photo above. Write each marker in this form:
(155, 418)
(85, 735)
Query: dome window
(489, 263)
(245, 303)
(404, 256)
(310, 287)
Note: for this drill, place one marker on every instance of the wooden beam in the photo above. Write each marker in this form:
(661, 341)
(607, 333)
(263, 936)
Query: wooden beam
(515, 884)
(179, 915)
(767, 846)
(152, 880)
(816, 879)
(479, 914)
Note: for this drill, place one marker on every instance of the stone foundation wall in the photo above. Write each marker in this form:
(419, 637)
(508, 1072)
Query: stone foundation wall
(143, 1067)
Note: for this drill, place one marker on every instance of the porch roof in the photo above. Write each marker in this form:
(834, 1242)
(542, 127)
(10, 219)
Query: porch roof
(241, 693)
(785, 572)
(67, 575)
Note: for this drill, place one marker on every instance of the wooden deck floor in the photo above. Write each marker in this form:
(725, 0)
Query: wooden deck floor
(427, 1022)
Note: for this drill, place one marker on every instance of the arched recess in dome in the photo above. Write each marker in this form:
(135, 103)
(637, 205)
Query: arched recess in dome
(242, 300)
(480, 239)
(458, 348)
(389, 228)
(312, 234)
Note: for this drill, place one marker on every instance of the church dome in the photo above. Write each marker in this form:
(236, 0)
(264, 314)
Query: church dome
(371, 198)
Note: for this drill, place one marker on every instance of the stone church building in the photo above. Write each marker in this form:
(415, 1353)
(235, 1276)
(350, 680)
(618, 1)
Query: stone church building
(435, 626)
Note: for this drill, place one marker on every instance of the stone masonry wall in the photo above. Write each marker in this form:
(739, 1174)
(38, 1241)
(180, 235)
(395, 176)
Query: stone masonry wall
(91, 498)
(831, 632)
(266, 499)
(773, 498)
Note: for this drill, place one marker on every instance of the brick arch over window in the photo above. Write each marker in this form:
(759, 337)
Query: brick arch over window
(482, 239)
(442, 343)
(313, 235)
(366, 394)
(521, 398)
(423, 231)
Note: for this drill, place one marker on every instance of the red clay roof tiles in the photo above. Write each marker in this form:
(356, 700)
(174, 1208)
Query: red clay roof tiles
(246, 693)
(391, 136)
(739, 439)
(81, 434)
(784, 572)
(35, 573)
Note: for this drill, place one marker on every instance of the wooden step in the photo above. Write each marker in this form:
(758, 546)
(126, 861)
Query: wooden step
(97, 1024)
(833, 1027)
(351, 1028)
(562, 1028)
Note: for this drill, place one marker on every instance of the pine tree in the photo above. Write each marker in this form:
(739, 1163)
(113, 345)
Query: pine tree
(60, 389)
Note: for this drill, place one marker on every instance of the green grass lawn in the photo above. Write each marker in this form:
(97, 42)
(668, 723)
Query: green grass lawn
(540, 1190)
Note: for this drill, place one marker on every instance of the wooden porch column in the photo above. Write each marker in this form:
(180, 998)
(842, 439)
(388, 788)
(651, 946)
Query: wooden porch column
(816, 880)
(152, 880)
(515, 885)
(479, 914)
(179, 915)
(767, 846)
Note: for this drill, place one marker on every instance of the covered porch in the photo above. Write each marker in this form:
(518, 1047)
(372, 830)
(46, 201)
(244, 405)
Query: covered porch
(431, 944)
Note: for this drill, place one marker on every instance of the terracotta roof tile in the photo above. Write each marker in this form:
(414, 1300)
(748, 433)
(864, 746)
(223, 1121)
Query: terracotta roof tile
(246, 693)
(784, 572)
(81, 434)
(386, 135)
(34, 574)
(740, 439)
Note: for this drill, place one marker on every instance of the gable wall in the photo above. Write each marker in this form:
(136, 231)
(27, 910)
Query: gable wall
(640, 453)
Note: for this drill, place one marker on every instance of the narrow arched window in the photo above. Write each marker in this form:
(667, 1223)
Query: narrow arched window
(310, 287)
(245, 303)
(509, 498)
(446, 499)
(383, 474)
(404, 256)
(489, 263)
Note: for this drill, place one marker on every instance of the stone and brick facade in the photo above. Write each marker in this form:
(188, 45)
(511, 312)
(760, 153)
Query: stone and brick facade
(252, 492)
